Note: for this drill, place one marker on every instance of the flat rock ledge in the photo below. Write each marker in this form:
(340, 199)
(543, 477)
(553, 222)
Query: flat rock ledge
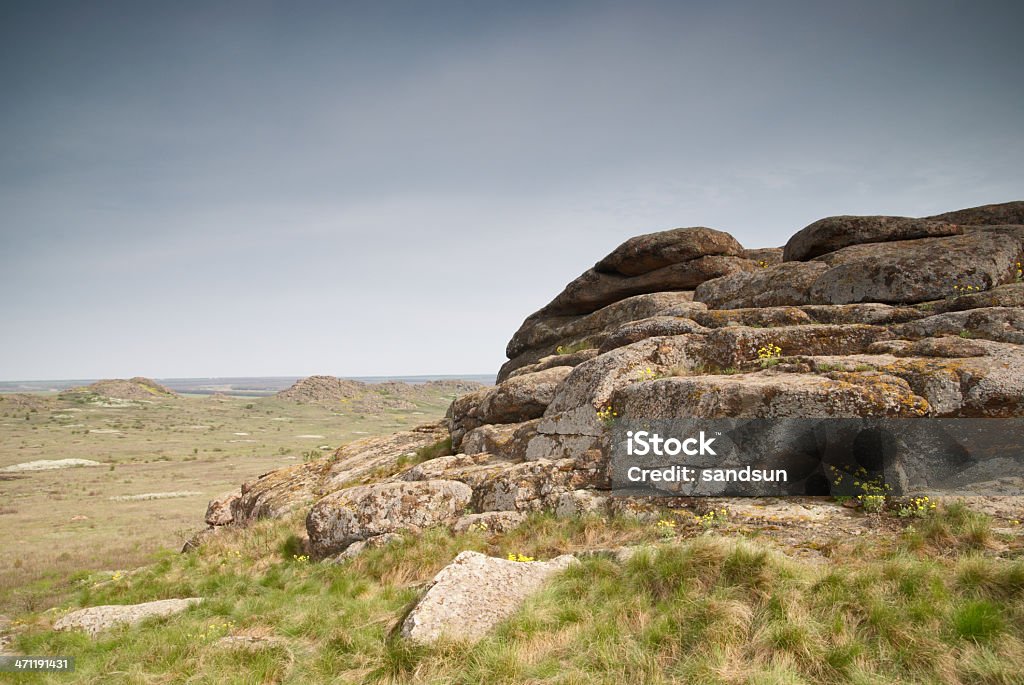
(474, 593)
(95, 620)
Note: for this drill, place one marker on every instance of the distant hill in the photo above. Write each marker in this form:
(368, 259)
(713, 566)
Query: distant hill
(371, 397)
(137, 388)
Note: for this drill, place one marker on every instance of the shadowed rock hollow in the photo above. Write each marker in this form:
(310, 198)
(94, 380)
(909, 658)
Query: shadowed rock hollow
(872, 316)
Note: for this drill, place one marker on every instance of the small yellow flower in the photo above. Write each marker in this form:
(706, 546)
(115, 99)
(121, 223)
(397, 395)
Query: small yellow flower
(512, 556)
(768, 354)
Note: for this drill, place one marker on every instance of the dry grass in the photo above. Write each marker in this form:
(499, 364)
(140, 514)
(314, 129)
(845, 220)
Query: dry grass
(706, 607)
(63, 522)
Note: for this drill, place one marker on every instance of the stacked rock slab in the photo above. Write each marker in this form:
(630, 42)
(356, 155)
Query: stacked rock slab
(874, 316)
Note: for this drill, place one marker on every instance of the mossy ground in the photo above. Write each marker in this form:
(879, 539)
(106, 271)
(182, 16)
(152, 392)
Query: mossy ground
(941, 602)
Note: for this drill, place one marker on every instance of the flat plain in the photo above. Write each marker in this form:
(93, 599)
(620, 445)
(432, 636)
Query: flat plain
(159, 463)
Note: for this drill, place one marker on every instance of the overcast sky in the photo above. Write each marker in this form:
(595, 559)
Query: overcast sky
(287, 188)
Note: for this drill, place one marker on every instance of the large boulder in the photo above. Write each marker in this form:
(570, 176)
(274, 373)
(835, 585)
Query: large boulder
(917, 270)
(652, 251)
(365, 511)
(836, 232)
(595, 289)
(474, 593)
(899, 272)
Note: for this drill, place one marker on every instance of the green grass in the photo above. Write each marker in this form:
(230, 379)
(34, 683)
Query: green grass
(575, 347)
(702, 609)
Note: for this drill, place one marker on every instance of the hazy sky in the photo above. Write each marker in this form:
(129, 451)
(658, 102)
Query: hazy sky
(286, 188)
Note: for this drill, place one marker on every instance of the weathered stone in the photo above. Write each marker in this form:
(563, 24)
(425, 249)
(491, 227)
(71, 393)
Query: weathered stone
(514, 400)
(558, 359)
(463, 416)
(360, 546)
(579, 502)
(544, 331)
(732, 347)
(771, 395)
(95, 620)
(986, 386)
(218, 511)
(529, 486)
(871, 326)
(251, 643)
(916, 270)
(475, 593)
(507, 441)
(594, 290)
(836, 232)
(1001, 324)
(761, 316)
(471, 469)
(786, 284)
(645, 253)
(946, 346)
(522, 398)
(367, 456)
(589, 387)
(649, 328)
(276, 494)
(1009, 295)
(365, 511)
(764, 256)
(280, 492)
(1005, 213)
(873, 314)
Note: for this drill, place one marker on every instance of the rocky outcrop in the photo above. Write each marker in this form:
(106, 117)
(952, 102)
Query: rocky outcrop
(653, 251)
(595, 289)
(856, 317)
(136, 389)
(895, 272)
(95, 620)
(836, 232)
(474, 593)
(362, 397)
